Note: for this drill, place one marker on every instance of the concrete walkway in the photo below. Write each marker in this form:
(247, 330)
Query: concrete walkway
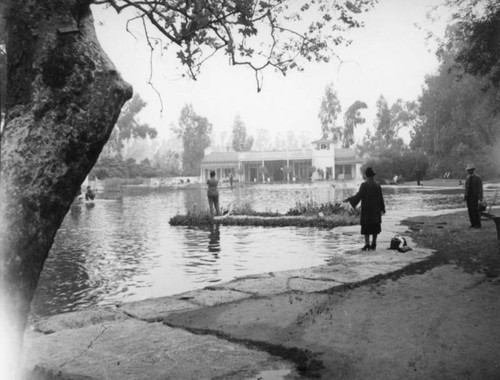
(136, 341)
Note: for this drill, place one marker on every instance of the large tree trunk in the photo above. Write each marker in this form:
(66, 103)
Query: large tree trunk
(63, 99)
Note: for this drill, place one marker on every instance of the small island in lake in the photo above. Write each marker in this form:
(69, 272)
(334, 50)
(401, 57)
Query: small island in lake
(310, 214)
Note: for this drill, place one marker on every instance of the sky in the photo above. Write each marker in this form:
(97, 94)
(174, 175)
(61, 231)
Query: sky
(389, 56)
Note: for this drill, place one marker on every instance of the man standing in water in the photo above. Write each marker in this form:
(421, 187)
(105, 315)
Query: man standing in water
(473, 195)
(372, 208)
(213, 193)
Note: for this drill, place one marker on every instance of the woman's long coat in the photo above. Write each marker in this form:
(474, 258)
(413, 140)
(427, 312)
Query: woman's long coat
(372, 202)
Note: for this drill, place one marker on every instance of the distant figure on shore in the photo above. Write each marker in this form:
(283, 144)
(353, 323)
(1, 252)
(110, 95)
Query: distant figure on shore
(89, 194)
(372, 208)
(418, 175)
(231, 180)
(473, 195)
(213, 194)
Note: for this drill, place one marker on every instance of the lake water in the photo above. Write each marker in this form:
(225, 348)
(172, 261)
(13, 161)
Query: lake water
(123, 249)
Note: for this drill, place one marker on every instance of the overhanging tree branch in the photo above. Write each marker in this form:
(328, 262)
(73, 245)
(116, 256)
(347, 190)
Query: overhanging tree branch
(202, 28)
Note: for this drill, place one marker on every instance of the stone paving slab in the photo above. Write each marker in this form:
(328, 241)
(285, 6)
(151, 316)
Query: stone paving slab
(78, 319)
(156, 309)
(262, 286)
(134, 350)
(358, 267)
(212, 296)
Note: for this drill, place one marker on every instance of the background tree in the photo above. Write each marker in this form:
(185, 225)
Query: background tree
(352, 118)
(279, 142)
(479, 55)
(388, 122)
(110, 167)
(329, 111)
(286, 140)
(291, 140)
(262, 140)
(459, 105)
(403, 115)
(167, 163)
(221, 142)
(402, 162)
(195, 132)
(128, 135)
(128, 125)
(384, 149)
(64, 96)
(477, 38)
(241, 142)
(385, 131)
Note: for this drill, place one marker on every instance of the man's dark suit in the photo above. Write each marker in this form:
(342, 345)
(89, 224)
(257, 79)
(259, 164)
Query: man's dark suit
(473, 194)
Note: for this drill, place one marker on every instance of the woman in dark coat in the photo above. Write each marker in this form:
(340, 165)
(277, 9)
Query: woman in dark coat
(372, 208)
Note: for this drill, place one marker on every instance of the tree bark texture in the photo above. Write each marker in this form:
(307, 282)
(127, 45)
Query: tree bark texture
(63, 99)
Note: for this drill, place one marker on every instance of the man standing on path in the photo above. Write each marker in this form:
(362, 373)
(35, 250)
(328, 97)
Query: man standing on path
(418, 175)
(473, 195)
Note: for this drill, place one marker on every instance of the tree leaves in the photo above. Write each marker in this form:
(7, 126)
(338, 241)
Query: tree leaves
(459, 104)
(128, 125)
(388, 122)
(474, 39)
(352, 118)
(459, 118)
(258, 34)
(329, 112)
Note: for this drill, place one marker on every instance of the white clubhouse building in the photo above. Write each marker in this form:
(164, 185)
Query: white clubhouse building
(324, 160)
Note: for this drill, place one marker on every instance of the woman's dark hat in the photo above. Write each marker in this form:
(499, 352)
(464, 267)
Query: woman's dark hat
(369, 172)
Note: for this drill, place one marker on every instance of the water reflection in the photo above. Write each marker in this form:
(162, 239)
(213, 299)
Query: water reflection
(214, 240)
(124, 249)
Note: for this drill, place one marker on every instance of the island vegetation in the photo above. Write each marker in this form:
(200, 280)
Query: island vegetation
(303, 214)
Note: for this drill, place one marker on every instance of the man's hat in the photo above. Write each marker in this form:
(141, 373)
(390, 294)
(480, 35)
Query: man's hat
(369, 172)
(470, 167)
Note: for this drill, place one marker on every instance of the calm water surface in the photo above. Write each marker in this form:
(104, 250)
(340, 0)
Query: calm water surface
(124, 250)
